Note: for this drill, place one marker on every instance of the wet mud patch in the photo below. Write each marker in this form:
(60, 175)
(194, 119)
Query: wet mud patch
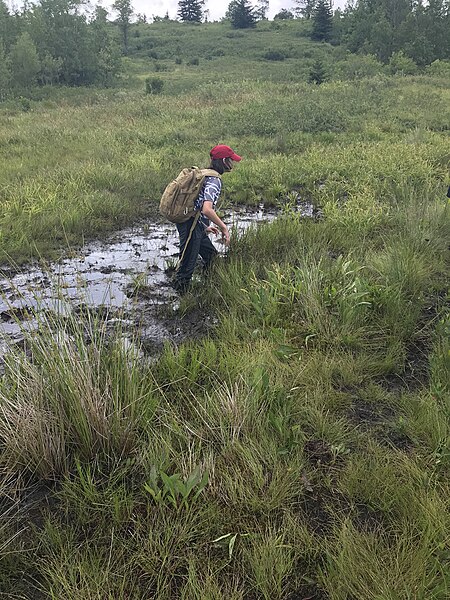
(319, 453)
(416, 372)
(123, 278)
(366, 519)
(323, 454)
(365, 413)
(323, 509)
(313, 510)
(309, 591)
(381, 421)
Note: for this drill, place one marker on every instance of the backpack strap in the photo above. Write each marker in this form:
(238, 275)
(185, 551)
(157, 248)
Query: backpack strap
(210, 173)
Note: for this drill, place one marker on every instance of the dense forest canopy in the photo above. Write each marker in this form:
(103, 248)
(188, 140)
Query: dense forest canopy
(58, 42)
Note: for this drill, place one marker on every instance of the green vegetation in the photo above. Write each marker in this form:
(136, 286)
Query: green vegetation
(77, 162)
(301, 450)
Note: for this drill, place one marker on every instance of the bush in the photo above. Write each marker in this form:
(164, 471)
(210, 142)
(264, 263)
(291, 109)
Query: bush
(440, 68)
(400, 63)
(160, 67)
(154, 85)
(357, 67)
(274, 55)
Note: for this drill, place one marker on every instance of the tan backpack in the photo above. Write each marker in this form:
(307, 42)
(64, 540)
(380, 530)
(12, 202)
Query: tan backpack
(178, 200)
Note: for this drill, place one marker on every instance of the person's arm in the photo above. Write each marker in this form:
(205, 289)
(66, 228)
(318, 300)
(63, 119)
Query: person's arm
(211, 214)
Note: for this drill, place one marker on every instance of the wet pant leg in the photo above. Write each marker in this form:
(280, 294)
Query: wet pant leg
(187, 266)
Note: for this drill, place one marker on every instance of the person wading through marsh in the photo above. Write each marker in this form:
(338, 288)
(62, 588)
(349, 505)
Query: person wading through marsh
(222, 160)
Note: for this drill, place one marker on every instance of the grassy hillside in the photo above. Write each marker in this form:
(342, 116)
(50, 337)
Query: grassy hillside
(301, 451)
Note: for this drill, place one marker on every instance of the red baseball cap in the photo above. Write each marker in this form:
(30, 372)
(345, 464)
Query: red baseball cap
(222, 151)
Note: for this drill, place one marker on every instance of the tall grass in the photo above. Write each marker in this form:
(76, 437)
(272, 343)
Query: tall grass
(89, 163)
(301, 449)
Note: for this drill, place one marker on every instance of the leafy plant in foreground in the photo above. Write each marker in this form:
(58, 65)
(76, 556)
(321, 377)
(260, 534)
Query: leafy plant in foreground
(172, 490)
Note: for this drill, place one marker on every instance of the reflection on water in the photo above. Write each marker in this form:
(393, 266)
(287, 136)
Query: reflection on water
(102, 274)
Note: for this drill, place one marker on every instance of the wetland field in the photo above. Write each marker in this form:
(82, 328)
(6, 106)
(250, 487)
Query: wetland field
(282, 431)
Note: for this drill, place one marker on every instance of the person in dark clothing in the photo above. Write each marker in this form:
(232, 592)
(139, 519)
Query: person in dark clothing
(222, 160)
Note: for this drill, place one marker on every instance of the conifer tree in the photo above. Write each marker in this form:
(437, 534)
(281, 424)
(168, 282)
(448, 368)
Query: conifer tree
(241, 14)
(191, 11)
(5, 75)
(262, 9)
(125, 10)
(322, 21)
(317, 73)
(305, 8)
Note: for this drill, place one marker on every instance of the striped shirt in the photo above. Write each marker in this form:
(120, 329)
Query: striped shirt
(210, 191)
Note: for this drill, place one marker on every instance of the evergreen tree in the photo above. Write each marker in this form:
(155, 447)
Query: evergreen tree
(24, 61)
(191, 11)
(9, 26)
(4, 21)
(241, 14)
(125, 10)
(322, 21)
(305, 8)
(317, 73)
(284, 14)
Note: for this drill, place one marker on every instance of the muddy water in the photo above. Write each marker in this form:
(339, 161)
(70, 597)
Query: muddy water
(124, 276)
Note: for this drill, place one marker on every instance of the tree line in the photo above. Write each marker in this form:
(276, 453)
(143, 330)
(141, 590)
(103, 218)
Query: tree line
(416, 28)
(57, 42)
(53, 41)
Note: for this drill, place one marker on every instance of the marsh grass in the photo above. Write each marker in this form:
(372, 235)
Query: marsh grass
(301, 449)
(85, 162)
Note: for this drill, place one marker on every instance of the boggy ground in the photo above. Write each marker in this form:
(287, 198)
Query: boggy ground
(298, 451)
(124, 279)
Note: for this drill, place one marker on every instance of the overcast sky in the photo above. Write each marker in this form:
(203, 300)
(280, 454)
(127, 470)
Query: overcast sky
(216, 8)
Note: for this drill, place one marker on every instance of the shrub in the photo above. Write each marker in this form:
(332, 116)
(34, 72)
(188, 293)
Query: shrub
(274, 55)
(400, 63)
(440, 68)
(154, 85)
(357, 67)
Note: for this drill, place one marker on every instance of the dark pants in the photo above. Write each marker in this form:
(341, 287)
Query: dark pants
(198, 244)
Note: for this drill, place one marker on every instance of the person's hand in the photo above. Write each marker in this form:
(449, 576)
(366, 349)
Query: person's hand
(213, 229)
(225, 239)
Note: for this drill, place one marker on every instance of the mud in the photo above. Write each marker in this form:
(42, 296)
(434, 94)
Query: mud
(124, 276)
(308, 592)
(382, 422)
